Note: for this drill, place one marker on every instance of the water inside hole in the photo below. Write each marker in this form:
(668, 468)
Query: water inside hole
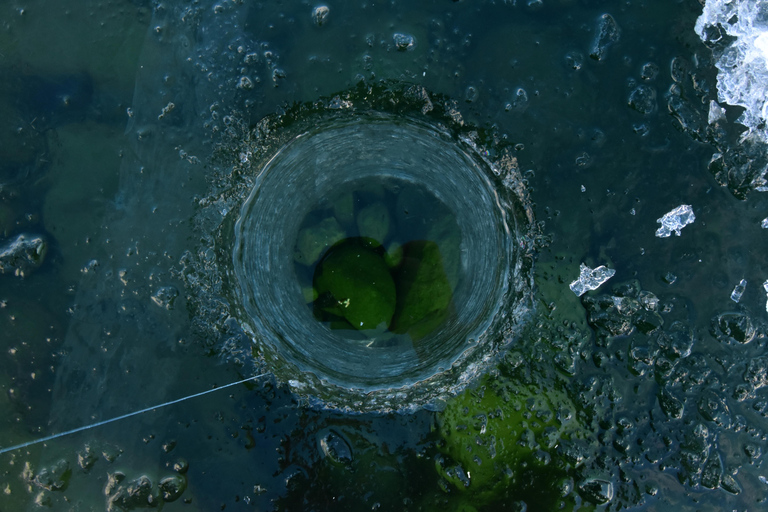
(354, 273)
(378, 262)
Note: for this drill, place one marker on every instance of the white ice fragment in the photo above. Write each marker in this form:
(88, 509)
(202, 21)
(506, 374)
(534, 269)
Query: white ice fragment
(295, 384)
(765, 287)
(764, 224)
(649, 301)
(716, 112)
(590, 279)
(738, 290)
(675, 220)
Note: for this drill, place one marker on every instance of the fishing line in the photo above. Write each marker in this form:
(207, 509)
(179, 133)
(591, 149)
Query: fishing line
(124, 416)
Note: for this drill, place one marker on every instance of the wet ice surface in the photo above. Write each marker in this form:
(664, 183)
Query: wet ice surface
(675, 220)
(647, 394)
(590, 279)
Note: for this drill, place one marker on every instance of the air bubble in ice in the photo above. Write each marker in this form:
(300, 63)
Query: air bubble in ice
(471, 94)
(172, 487)
(403, 42)
(733, 328)
(336, 448)
(574, 60)
(643, 99)
(650, 71)
(520, 101)
(591, 279)
(245, 83)
(165, 296)
(765, 287)
(597, 491)
(607, 34)
(675, 220)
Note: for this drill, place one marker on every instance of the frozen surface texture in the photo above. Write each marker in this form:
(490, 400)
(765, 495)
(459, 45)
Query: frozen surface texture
(675, 220)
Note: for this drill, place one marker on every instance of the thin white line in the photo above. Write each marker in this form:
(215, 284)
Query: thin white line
(135, 413)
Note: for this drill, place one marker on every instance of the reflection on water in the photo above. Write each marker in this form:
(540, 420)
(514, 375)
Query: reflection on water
(116, 134)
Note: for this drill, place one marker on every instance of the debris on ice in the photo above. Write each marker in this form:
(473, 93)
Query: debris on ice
(590, 279)
(675, 220)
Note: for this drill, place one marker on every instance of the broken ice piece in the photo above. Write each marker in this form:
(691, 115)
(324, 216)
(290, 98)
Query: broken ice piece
(764, 224)
(675, 220)
(590, 279)
(765, 287)
(669, 278)
(738, 290)
(716, 113)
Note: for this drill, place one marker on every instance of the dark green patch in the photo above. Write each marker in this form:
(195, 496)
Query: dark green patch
(382, 254)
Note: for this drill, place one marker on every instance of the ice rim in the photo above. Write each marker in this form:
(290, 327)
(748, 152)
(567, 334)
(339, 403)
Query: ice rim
(737, 32)
(243, 151)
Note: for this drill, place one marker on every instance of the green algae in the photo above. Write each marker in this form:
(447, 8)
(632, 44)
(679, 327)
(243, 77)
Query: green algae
(423, 291)
(355, 284)
(505, 438)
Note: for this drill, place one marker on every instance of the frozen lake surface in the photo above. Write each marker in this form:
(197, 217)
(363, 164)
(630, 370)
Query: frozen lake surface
(132, 132)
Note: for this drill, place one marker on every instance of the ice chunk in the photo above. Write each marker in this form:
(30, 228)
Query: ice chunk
(591, 279)
(738, 290)
(764, 223)
(743, 64)
(649, 301)
(716, 112)
(765, 287)
(22, 254)
(675, 220)
(403, 42)
(643, 99)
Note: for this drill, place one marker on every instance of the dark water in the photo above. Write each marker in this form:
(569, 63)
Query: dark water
(120, 124)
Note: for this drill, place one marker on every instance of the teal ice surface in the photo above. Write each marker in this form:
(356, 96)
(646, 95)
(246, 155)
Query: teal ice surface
(110, 113)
